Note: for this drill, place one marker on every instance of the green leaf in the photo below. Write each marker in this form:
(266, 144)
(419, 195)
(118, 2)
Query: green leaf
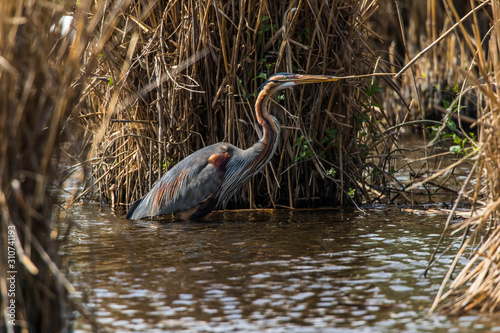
(306, 33)
(455, 149)
(266, 27)
(451, 125)
(446, 104)
(372, 90)
(332, 172)
(269, 65)
(261, 75)
(331, 133)
(464, 141)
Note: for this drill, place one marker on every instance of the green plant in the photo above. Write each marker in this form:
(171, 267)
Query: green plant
(364, 130)
(305, 150)
(367, 130)
(332, 172)
(169, 162)
(302, 35)
(450, 131)
(372, 89)
(330, 137)
(264, 27)
(460, 144)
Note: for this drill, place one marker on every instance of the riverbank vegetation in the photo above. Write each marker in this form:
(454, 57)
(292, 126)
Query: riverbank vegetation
(183, 76)
(41, 84)
(134, 87)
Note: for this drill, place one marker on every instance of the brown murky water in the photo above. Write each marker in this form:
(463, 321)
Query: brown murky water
(321, 271)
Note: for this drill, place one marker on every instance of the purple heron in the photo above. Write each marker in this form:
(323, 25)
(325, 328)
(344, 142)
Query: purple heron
(210, 176)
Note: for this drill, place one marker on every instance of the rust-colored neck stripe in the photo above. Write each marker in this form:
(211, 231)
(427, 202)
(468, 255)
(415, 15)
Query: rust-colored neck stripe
(271, 131)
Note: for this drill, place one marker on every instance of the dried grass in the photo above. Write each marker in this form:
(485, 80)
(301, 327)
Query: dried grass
(476, 287)
(40, 84)
(170, 77)
(178, 79)
(154, 100)
(453, 58)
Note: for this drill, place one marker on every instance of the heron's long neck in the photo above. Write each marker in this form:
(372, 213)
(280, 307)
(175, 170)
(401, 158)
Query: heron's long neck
(253, 159)
(270, 127)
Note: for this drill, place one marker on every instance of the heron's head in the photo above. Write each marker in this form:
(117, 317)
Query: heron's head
(287, 80)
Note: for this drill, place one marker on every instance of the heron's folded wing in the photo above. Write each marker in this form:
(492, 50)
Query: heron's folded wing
(183, 187)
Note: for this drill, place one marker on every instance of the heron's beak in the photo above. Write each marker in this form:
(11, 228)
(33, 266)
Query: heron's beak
(305, 79)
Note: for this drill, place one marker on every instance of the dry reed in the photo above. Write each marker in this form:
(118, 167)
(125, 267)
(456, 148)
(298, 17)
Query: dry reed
(476, 286)
(181, 77)
(450, 84)
(169, 77)
(40, 83)
(154, 100)
(458, 63)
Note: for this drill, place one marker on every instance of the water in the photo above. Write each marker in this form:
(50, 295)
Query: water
(321, 271)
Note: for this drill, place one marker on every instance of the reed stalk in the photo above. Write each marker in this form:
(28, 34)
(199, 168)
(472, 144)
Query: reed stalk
(476, 285)
(182, 75)
(41, 80)
(450, 81)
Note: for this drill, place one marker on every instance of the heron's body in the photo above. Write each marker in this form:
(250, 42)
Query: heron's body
(210, 176)
(198, 183)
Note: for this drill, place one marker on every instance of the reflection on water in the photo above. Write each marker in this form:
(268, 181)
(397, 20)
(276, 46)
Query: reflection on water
(322, 271)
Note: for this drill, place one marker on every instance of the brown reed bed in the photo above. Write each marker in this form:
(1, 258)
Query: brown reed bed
(41, 81)
(453, 77)
(476, 286)
(147, 83)
(181, 76)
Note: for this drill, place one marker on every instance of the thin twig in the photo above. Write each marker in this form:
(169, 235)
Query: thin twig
(443, 36)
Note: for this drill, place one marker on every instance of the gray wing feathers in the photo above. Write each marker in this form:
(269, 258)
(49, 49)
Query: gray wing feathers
(197, 187)
(183, 187)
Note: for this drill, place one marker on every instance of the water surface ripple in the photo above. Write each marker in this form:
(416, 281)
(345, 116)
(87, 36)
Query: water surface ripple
(321, 271)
